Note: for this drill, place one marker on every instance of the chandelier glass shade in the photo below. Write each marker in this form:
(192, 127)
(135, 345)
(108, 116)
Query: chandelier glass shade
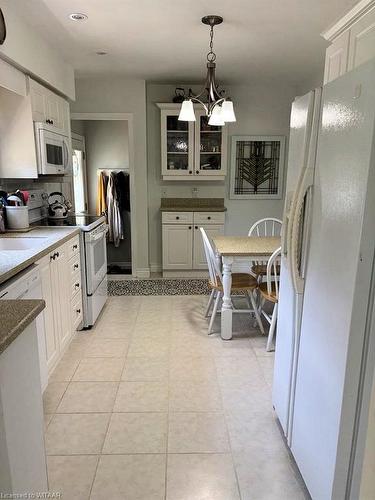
(217, 106)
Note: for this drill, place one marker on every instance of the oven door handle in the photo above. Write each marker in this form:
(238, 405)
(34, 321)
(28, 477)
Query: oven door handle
(98, 236)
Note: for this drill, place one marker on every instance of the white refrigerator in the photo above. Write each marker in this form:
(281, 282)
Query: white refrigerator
(324, 359)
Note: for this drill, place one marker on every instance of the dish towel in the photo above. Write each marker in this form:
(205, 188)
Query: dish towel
(101, 202)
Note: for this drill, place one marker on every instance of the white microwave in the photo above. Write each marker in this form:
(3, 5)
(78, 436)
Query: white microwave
(53, 150)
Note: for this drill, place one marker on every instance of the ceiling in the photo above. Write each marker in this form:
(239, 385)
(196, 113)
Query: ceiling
(164, 40)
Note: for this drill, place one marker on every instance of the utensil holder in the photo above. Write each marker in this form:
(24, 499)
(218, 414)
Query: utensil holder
(17, 217)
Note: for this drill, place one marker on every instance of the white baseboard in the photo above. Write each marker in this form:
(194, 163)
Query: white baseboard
(155, 268)
(185, 274)
(143, 272)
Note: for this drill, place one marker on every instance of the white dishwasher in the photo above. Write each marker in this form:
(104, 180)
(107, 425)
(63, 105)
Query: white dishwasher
(27, 285)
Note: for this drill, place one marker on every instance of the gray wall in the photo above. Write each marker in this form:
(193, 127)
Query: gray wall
(262, 110)
(123, 95)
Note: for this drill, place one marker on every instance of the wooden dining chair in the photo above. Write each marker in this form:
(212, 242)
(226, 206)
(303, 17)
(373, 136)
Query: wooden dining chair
(269, 226)
(241, 282)
(269, 292)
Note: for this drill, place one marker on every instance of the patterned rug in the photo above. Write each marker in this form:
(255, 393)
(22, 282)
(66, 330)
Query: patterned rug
(187, 286)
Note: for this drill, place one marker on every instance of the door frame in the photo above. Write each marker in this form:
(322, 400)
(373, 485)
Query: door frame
(129, 118)
(78, 138)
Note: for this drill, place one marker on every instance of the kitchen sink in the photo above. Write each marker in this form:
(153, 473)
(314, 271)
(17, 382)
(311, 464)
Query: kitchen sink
(20, 243)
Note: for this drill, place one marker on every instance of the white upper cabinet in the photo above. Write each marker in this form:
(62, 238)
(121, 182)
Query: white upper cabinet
(177, 145)
(362, 40)
(210, 147)
(336, 63)
(191, 150)
(49, 108)
(17, 144)
(352, 40)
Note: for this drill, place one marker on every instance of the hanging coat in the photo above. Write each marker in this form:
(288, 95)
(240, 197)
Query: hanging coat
(101, 202)
(115, 232)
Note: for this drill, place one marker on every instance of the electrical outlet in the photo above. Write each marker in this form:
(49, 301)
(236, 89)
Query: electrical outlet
(164, 192)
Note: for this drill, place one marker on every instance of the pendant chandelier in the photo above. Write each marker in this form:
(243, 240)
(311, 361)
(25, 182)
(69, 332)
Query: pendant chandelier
(218, 108)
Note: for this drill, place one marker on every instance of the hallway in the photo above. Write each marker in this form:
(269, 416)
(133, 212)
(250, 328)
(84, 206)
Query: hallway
(147, 406)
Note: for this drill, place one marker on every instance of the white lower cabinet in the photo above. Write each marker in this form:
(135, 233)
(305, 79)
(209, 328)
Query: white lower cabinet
(51, 334)
(63, 312)
(177, 246)
(182, 241)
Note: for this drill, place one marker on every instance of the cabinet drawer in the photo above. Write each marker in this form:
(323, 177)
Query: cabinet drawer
(76, 312)
(76, 284)
(177, 217)
(73, 247)
(209, 217)
(75, 265)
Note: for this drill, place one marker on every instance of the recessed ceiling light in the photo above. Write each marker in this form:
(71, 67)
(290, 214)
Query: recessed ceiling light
(101, 52)
(77, 16)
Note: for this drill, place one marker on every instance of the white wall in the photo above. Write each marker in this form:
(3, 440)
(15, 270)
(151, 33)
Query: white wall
(262, 110)
(25, 48)
(121, 95)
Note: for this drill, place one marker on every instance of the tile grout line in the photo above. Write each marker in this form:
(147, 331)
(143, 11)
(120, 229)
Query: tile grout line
(168, 412)
(107, 428)
(228, 434)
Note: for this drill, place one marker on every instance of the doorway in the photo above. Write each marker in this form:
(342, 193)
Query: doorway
(103, 179)
(79, 173)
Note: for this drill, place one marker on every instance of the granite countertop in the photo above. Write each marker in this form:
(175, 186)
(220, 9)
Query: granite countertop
(14, 261)
(15, 316)
(246, 246)
(192, 205)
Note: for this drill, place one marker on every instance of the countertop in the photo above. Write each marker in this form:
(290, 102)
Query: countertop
(14, 261)
(192, 205)
(246, 246)
(15, 316)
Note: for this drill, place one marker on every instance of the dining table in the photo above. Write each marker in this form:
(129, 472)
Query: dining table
(231, 249)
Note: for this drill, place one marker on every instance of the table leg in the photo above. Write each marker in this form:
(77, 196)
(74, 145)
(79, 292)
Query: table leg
(226, 311)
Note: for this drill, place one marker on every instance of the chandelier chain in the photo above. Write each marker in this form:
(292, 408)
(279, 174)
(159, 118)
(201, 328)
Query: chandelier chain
(211, 56)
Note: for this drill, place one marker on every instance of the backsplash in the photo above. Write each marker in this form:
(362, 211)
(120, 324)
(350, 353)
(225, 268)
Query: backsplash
(47, 184)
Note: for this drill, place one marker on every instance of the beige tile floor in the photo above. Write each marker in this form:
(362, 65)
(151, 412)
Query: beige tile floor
(146, 406)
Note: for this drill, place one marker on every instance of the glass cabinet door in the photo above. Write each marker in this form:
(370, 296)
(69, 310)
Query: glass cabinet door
(177, 145)
(210, 147)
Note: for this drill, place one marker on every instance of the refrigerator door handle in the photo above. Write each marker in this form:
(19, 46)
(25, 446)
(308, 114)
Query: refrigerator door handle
(299, 231)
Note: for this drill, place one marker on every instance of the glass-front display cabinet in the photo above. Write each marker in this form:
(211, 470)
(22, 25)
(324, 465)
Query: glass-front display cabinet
(191, 149)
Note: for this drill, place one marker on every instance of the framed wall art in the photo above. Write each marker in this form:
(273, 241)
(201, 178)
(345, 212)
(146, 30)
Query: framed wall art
(257, 165)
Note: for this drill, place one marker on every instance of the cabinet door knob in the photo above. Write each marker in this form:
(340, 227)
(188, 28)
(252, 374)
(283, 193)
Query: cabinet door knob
(76, 285)
(197, 172)
(177, 218)
(189, 227)
(208, 218)
(57, 254)
(75, 247)
(190, 171)
(196, 227)
(76, 266)
(78, 311)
